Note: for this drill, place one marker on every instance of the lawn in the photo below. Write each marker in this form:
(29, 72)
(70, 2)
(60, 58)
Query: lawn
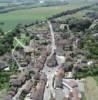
(13, 18)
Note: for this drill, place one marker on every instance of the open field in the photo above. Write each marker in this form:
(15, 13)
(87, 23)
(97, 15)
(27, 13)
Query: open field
(91, 89)
(11, 19)
(96, 78)
(79, 14)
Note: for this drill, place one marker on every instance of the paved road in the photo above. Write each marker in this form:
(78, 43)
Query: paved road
(53, 46)
(51, 71)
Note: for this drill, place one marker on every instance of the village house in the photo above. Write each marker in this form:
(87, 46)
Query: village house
(38, 91)
(73, 89)
(20, 79)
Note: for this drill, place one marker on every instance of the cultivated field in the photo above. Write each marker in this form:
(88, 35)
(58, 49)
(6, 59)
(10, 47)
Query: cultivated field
(11, 19)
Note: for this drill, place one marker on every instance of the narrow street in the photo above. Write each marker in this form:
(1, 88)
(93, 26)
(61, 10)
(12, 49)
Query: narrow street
(50, 72)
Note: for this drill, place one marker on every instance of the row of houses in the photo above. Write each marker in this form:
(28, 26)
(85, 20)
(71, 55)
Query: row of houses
(40, 61)
(69, 84)
(37, 93)
(17, 81)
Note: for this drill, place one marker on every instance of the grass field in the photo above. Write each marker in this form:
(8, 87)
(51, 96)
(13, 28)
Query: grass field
(96, 78)
(11, 19)
(80, 14)
(91, 89)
